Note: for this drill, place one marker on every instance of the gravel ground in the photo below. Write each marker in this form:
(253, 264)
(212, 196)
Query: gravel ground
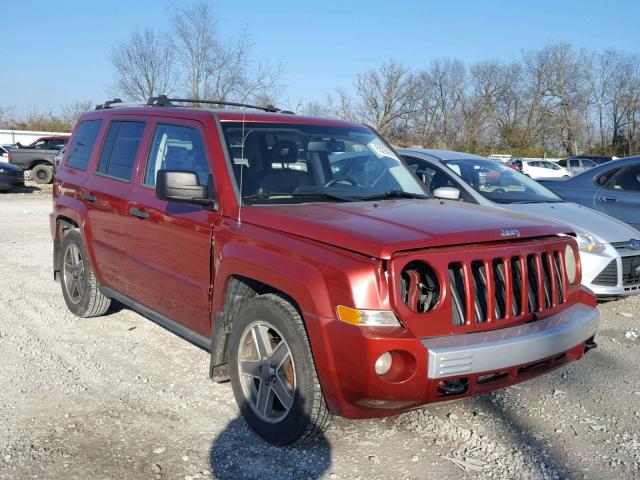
(119, 397)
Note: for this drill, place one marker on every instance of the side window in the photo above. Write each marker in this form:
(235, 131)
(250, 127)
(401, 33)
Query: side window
(606, 176)
(120, 148)
(82, 145)
(588, 163)
(176, 147)
(628, 179)
(573, 163)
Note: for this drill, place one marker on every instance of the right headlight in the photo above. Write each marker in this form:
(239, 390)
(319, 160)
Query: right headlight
(587, 243)
(570, 264)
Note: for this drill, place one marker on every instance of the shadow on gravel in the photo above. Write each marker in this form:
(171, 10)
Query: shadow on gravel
(554, 459)
(239, 453)
(26, 189)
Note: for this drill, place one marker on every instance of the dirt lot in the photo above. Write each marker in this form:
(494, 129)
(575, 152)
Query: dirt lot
(119, 397)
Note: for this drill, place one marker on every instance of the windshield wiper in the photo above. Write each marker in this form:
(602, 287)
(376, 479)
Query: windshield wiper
(393, 194)
(260, 196)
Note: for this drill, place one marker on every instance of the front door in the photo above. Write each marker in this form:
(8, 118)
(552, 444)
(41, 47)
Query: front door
(170, 243)
(620, 197)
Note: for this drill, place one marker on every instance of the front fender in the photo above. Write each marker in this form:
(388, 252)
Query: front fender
(316, 276)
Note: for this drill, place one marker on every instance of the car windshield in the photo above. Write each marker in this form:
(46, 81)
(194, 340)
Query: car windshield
(499, 183)
(295, 163)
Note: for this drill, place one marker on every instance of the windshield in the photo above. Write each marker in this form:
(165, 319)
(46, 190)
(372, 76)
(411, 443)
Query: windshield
(294, 163)
(499, 183)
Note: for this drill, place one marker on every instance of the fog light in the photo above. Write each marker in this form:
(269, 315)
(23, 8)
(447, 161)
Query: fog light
(383, 363)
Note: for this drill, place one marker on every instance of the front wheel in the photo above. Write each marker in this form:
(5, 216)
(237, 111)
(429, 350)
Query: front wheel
(272, 372)
(79, 284)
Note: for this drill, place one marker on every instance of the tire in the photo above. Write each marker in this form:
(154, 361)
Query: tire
(79, 284)
(274, 319)
(42, 173)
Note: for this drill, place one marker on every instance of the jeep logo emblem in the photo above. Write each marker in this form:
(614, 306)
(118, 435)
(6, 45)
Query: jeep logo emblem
(509, 232)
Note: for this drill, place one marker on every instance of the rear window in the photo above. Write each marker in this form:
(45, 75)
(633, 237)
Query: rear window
(120, 149)
(83, 143)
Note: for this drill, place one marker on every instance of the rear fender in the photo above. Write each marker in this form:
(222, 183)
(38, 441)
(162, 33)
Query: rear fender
(76, 211)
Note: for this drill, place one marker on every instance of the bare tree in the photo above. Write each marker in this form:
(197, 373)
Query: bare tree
(72, 112)
(7, 116)
(144, 66)
(387, 95)
(215, 69)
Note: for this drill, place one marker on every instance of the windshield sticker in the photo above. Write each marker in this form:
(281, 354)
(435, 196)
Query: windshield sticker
(380, 150)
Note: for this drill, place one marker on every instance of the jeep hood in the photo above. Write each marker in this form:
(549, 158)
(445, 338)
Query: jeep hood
(379, 229)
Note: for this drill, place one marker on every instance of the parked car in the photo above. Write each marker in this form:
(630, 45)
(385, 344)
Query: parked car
(577, 165)
(539, 169)
(609, 248)
(598, 159)
(612, 188)
(10, 177)
(317, 290)
(37, 163)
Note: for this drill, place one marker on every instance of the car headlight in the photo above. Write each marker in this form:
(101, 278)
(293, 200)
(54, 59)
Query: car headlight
(570, 264)
(587, 243)
(2, 170)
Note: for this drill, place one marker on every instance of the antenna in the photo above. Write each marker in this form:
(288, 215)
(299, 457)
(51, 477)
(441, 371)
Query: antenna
(241, 171)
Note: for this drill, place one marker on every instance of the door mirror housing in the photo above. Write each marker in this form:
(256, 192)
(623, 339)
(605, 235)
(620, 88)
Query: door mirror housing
(181, 186)
(447, 193)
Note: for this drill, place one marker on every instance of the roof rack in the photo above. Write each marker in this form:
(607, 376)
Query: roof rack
(164, 101)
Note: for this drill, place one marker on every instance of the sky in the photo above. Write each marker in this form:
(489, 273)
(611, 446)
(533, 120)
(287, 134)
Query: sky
(55, 52)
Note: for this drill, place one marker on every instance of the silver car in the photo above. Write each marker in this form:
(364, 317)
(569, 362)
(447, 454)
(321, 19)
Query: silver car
(609, 249)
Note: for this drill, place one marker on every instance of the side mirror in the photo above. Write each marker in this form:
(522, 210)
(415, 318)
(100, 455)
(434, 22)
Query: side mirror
(181, 186)
(447, 193)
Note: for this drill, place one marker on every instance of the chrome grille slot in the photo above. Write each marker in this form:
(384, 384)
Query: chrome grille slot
(500, 286)
(631, 270)
(480, 290)
(557, 272)
(532, 284)
(516, 282)
(456, 281)
(546, 279)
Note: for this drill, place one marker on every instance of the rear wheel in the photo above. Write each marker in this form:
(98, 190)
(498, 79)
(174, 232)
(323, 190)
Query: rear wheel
(79, 284)
(272, 372)
(42, 173)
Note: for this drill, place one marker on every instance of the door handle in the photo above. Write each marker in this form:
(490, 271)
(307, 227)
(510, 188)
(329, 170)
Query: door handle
(136, 212)
(606, 198)
(89, 198)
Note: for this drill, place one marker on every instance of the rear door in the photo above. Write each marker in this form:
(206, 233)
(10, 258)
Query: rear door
(620, 197)
(105, 196)
(170, 243)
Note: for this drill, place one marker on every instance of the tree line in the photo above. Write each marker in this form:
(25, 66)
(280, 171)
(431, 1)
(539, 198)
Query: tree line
(556, 100)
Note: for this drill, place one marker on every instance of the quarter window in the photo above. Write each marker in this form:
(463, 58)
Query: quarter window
(82, 145)
(119, 151)
(175, 147)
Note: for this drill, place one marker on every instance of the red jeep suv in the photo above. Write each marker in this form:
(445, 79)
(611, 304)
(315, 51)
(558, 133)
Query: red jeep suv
(310, 261)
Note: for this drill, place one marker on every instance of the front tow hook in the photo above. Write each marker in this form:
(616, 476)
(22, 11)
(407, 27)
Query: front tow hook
(590, 345)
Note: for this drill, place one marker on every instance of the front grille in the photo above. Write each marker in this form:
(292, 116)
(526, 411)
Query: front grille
(499, 285)
(630, 270)
(609, 276)
(440, 291)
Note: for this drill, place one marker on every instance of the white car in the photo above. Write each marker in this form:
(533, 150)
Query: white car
(540, 169)
(609, 249)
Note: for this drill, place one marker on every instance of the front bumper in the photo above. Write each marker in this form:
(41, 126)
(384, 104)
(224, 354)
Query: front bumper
(345, 356)
(603, 273)
(502, 349)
